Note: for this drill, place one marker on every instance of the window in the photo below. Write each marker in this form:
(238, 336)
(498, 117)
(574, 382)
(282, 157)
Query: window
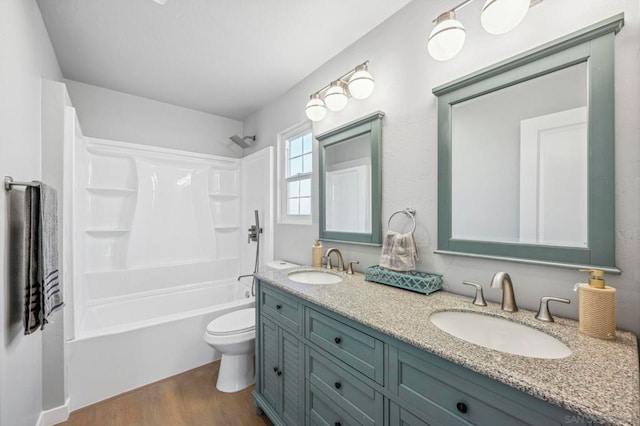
(296, 165)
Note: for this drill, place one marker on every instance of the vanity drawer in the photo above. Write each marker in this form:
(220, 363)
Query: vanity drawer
(450, 399)
(398, 416)
(354, 347)
(324, 412)
(357, 398)
(281, 308)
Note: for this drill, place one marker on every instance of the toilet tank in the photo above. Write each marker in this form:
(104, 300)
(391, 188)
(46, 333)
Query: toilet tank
(275, 265)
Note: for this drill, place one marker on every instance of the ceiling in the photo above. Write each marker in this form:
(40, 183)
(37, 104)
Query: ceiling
(224, 57)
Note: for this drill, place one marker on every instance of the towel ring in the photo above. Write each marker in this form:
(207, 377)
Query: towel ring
(409, 212)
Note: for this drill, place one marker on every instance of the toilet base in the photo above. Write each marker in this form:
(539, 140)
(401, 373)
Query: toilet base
(237, 372)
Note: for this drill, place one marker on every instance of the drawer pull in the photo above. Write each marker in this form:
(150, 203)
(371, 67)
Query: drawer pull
(338, 340)
(279, 373)
(278, 306)
(462, 407)
(275, 369)
(337, 424)
(338, 385)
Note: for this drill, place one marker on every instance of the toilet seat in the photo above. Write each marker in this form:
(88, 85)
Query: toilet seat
(236, 322)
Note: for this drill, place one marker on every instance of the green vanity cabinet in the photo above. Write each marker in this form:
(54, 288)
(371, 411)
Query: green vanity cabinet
(315, 367)
(280, 373)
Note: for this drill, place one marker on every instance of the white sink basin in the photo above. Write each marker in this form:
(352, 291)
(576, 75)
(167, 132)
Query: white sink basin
(314, 277)
(500, 334)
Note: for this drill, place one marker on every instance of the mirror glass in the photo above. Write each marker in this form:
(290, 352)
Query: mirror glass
(519, 162)
(350, 177)
(526, 161)
(348, 185)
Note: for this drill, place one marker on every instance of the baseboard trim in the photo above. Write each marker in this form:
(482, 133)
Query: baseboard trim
(54, 416)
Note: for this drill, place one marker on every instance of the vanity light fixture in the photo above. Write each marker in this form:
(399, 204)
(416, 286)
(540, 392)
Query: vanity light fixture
(357, 83)
(446, 38)
(336, 96)
(501, 16)
(497, 17)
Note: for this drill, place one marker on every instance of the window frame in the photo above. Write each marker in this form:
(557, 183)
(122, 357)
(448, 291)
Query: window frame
(283, 164)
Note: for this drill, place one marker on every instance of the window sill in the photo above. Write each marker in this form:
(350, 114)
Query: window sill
(295, 222)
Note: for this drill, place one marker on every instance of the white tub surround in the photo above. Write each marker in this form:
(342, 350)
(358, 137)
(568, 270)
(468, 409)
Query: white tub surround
(145, 213)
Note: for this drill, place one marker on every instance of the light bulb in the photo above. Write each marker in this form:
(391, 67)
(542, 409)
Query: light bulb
(315, 109)
(446, 38)
(501, 16)
(336, 96)
(361, 83)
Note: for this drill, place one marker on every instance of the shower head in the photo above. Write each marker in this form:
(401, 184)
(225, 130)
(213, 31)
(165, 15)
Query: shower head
(243, 142)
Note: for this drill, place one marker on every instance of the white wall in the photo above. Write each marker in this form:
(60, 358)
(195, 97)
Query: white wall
(108, 114)
(54, 100)
(26, 56)
(405, 75)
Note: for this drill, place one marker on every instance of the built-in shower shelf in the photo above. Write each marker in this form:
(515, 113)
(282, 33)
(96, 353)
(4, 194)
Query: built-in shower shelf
(110, 190)
(223, 196)
(106, 232)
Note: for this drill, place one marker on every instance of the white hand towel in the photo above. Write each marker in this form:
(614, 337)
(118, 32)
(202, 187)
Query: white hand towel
(399, 252)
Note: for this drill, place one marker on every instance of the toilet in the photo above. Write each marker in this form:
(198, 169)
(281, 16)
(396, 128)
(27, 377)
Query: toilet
(234, 335)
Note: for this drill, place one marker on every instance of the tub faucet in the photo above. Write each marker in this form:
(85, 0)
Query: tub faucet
(253, 282)
(340, 258)
(502, 280)
(244, 276)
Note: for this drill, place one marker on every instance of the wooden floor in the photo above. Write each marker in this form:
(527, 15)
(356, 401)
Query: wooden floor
(188, 399)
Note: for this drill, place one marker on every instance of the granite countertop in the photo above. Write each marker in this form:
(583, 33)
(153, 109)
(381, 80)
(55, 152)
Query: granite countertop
(599, 380)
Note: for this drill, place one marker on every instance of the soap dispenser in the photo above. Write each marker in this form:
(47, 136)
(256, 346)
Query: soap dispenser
(316, 254)
(597, 306)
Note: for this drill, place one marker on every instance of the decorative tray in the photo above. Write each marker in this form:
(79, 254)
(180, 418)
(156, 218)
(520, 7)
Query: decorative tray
(418, 281)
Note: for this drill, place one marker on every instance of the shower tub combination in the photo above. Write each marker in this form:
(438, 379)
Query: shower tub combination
(127, 344)
(157, 251)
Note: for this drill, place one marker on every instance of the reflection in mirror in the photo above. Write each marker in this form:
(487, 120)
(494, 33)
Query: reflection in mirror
(519, 158)
(350, 181)
(348, 185)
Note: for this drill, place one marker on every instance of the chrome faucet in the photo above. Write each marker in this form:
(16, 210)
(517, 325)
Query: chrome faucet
(340, 258)
(502, 280)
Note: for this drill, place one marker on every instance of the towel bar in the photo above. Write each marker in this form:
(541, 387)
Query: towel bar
(409, 212)
(9, 183)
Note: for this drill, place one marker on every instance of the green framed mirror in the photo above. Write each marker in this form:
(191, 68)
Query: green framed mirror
(350, 179)
(526, 156)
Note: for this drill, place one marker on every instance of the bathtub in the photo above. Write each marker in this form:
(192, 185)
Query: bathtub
(128, 343)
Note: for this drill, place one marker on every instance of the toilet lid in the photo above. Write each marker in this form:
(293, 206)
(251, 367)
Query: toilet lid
(233, 322)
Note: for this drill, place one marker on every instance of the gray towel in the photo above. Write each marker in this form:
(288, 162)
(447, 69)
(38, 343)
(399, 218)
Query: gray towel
(43, 292)
(399, 252)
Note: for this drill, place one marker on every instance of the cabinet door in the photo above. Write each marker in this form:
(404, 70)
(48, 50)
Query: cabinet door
(292, 378)
(270, 362)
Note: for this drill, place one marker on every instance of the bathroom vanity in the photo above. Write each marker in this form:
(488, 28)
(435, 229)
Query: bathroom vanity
(361, 353)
